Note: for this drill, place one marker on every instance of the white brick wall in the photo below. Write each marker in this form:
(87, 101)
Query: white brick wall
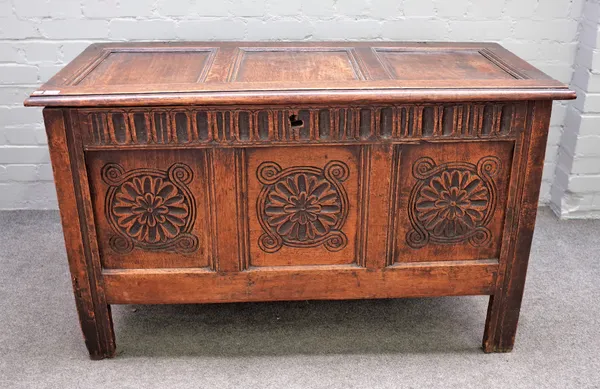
(575, 191)
(38, 37)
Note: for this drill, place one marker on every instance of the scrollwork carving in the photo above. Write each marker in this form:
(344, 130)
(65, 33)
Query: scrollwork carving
(302, 206)
(452, 202)
(150, 209)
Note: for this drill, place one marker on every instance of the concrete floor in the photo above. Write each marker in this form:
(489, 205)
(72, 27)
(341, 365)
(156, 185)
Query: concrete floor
(406, 343)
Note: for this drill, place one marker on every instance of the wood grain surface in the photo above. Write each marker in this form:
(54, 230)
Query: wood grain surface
(231, 172)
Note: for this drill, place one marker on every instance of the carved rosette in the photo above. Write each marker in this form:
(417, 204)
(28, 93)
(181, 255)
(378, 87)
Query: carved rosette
(302, 206)
(150, 209)
(453, 202)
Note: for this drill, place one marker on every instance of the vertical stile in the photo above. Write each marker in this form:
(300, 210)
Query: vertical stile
(241, 176)
(364, 173)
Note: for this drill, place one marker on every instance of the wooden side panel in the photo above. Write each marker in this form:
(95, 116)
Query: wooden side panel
(451, 201)
(152, 208)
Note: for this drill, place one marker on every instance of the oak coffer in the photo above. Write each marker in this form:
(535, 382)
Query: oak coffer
(222, 172)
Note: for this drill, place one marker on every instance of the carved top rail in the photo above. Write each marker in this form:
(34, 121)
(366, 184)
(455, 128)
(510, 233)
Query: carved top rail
(177, 126)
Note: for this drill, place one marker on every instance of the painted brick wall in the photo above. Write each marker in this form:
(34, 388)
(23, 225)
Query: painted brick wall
(575, 190)
(38, 37)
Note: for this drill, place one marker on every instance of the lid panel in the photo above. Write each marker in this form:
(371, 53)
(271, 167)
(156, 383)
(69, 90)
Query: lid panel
(138, 67)
(439, 65)
(175, 73)
(268, 65)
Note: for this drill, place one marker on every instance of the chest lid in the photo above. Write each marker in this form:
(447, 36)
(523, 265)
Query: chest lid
(213, 73)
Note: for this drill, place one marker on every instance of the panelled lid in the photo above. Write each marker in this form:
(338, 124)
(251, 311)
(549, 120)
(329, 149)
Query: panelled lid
(291, 73)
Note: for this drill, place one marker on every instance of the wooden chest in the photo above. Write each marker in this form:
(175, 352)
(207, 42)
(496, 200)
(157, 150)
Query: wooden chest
(221, 172)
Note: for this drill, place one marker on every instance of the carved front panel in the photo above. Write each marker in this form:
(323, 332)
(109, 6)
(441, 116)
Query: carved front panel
(449, 201)
(304, 205)
(151, 207)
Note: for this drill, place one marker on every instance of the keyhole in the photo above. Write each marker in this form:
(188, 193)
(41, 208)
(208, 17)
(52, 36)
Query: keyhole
(295, 122)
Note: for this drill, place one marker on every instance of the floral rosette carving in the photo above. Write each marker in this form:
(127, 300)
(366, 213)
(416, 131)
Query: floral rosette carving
(452, 202)
(302, 206)
(150, 209)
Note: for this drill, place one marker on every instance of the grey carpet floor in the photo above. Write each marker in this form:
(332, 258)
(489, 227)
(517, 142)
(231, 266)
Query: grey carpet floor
(404, 343)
